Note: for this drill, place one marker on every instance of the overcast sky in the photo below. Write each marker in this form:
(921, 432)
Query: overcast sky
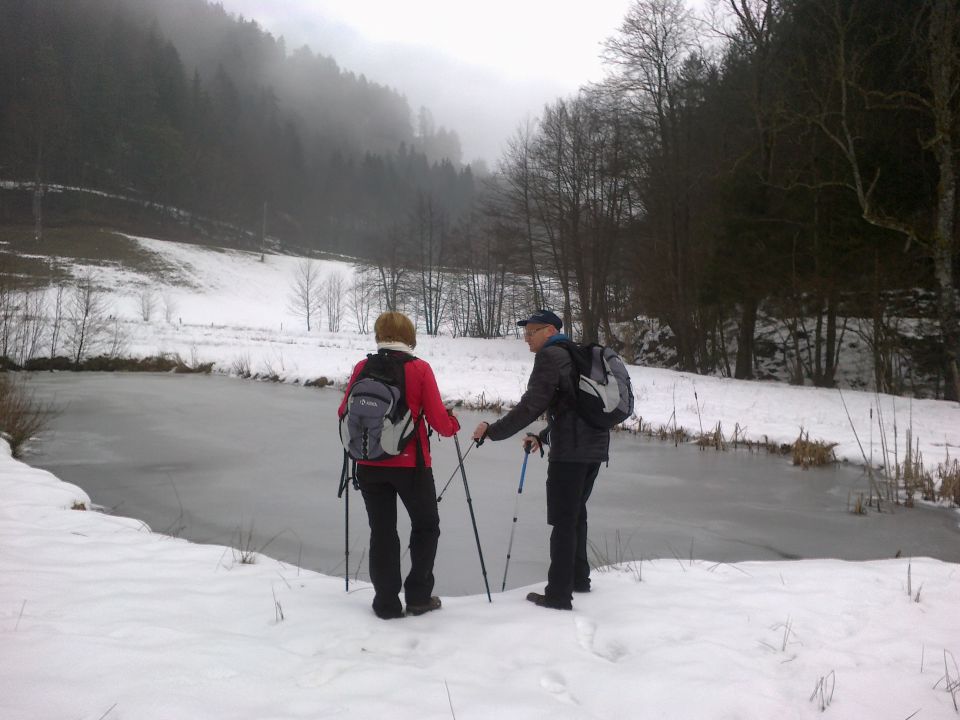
(481, 68)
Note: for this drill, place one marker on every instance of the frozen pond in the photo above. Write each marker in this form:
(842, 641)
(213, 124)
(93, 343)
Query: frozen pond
(209, 458)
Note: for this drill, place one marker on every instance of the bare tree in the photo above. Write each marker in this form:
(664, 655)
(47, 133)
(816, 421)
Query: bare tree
(557, 196)
(582, 195)
(148, 301)
(430, 231)
(8, 314)
(56, 317)
(170, 307)
(483, 247)
(31, 325)
(391, 259)
(21, 323)
(306, 292)
(654, 56)
(515, 203)
(334, 284)
(86, 319)
(115, 338)
(362, 294)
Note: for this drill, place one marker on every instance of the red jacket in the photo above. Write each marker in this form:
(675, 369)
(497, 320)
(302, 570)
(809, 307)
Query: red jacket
(422, 395)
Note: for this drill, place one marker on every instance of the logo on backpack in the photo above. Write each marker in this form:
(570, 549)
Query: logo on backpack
(377, 423)
(604, 396)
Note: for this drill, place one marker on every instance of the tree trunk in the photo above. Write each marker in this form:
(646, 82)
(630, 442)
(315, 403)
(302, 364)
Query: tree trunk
(745, 340)
(830, 351)
(945, 83)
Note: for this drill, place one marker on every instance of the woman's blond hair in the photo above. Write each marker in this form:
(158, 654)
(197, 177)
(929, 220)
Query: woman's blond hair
(395, 327)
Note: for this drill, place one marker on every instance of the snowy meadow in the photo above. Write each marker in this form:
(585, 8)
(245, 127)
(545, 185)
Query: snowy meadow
(101, 618)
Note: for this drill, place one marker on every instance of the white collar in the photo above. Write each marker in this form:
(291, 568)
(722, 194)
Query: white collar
(395, 345)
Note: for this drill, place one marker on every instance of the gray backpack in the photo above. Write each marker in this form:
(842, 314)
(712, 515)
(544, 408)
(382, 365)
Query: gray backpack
(377, 423)
(604, 393)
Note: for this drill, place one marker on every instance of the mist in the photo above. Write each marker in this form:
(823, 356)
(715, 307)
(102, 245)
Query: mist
(480, 74)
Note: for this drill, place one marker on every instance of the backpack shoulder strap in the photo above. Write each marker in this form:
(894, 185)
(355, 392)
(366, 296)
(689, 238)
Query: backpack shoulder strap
(579, 359)
(402, 358)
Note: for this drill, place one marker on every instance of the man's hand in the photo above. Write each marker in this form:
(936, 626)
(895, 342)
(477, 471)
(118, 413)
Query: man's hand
(531, 443)
(481, 432)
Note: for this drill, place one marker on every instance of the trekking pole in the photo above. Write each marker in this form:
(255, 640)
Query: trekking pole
(473, 519)
(516, 508)
(454, 473)
(345, 487)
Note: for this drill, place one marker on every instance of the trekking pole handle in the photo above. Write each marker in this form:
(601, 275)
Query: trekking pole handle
(523, 470)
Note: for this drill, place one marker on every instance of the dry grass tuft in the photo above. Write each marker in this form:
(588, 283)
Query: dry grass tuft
(914, 476)
(713, 439)
(949, 476)
(676, 435)
(809, 453)
(858, 507)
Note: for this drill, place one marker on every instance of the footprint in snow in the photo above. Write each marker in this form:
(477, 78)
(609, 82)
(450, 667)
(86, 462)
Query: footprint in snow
(586, 632)
(554, 684)
(587, 637)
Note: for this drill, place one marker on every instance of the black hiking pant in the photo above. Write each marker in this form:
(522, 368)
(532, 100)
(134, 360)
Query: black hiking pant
(380, 487)
(569, 485)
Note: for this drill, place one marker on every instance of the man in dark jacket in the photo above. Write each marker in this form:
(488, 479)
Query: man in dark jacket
(576, 451)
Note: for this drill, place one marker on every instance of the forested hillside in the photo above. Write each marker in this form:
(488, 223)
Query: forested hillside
(768, 192)
(182, 104)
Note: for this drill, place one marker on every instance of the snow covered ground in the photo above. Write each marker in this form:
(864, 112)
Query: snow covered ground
(102, 619)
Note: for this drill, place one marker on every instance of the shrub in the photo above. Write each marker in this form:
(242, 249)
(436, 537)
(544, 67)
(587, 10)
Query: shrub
(241, 366)
(21, 416)
(44, 363)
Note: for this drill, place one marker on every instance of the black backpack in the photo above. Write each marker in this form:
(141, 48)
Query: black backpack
(604, 393)
(377, 423)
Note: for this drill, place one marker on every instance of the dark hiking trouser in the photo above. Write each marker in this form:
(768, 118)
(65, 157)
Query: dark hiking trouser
(569, 485)
(380, 487)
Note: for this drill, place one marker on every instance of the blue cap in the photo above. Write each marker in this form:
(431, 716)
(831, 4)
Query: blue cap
(542, 317)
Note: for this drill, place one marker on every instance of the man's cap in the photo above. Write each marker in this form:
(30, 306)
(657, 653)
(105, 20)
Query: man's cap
(542, 317)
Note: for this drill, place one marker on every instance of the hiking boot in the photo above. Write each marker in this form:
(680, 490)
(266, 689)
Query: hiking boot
(581, 587)
(432, 604)
(542, 601)
(388, 614)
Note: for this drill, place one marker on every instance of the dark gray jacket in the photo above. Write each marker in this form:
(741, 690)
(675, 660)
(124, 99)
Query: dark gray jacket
(550, 390)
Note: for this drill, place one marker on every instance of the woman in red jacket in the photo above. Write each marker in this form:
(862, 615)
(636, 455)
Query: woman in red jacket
(407, 476)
